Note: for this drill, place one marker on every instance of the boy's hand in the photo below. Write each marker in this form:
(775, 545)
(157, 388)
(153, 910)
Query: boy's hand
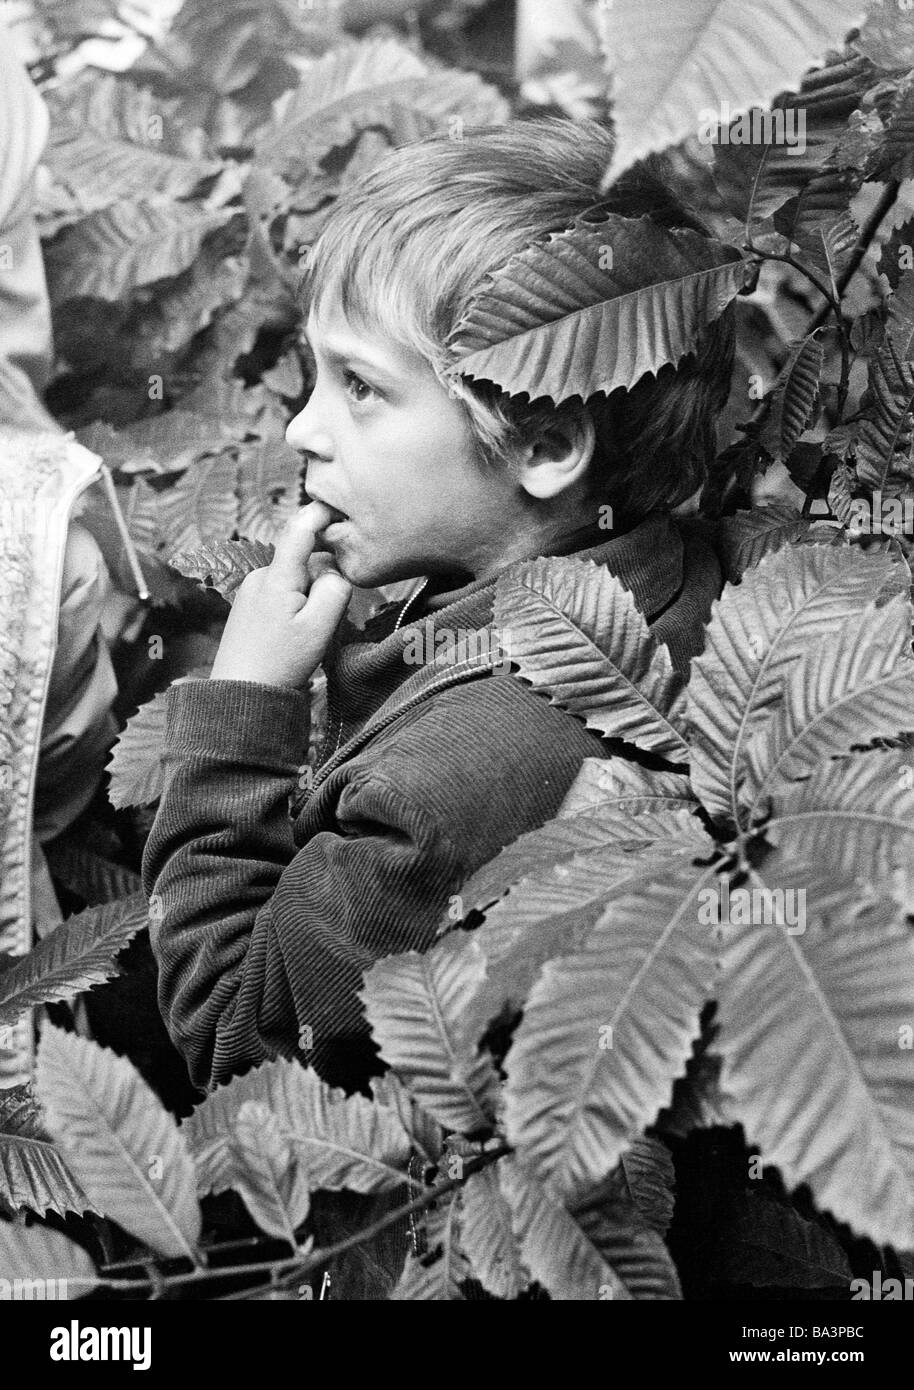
(285, 613)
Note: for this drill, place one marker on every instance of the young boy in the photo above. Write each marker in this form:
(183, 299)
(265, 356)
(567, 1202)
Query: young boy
(264, 922)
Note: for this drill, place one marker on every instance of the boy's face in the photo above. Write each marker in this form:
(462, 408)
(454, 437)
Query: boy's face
(394, 454)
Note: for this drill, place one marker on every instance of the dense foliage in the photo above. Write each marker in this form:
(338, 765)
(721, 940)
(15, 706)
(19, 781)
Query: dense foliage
(715, 931)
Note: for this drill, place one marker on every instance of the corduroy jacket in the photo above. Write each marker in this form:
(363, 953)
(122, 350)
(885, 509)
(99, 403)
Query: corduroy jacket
(268, 904)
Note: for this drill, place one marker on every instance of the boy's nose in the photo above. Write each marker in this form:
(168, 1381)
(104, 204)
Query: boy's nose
(304, 433)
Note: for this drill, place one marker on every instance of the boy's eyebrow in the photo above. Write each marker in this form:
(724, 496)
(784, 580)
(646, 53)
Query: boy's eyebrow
(337, 355)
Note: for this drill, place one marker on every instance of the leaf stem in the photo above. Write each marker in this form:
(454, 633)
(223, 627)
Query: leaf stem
(319, 1257)
(832, 298)
(832, 303)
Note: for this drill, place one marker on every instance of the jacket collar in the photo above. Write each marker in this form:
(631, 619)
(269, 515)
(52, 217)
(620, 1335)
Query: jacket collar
(648, 560)
(373, 675)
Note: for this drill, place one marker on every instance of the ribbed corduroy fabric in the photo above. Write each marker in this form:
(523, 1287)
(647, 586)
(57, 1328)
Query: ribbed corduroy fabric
(264, 921)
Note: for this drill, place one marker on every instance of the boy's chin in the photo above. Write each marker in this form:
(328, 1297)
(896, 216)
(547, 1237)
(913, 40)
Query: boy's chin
(367, 569)
(365, 572)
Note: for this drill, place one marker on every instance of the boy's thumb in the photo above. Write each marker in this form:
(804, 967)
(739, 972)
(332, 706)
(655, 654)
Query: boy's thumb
(328, 599)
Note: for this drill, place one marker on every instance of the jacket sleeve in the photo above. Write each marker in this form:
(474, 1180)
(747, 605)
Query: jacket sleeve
(261, 945)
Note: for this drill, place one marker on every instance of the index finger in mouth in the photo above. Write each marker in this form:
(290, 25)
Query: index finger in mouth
(296, 543)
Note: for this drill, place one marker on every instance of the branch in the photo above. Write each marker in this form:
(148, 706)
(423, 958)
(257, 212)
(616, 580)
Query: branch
(320, 1257)
(831, 302)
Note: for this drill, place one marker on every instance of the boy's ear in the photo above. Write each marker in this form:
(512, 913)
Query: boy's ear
(559, 456)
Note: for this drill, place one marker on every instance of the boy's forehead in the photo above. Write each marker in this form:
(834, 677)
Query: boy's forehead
(333, 334)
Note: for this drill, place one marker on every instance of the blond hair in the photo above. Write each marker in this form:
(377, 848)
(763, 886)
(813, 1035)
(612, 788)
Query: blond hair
(406, 248)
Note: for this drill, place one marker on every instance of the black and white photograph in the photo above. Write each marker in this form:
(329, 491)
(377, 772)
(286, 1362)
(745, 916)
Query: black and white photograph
(456, 670)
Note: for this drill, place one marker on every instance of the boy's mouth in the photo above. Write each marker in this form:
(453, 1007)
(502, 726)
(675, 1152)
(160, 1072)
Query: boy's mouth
(336, 515)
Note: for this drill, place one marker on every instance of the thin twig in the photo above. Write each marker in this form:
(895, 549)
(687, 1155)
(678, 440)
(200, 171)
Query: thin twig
(211, 1248)
(867, 232)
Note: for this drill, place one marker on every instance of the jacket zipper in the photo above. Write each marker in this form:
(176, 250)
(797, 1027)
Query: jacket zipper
(414, 595)
(338, 719)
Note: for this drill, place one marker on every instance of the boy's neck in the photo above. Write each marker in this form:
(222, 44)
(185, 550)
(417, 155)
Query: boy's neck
(540, 541)
(440, 589)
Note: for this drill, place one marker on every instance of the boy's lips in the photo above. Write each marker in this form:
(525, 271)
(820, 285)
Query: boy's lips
(337, 514)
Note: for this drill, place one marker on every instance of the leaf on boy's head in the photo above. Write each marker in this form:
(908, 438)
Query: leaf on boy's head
(596, 307)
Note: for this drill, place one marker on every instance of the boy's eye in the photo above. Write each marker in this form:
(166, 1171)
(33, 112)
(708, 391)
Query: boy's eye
(355, 385)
